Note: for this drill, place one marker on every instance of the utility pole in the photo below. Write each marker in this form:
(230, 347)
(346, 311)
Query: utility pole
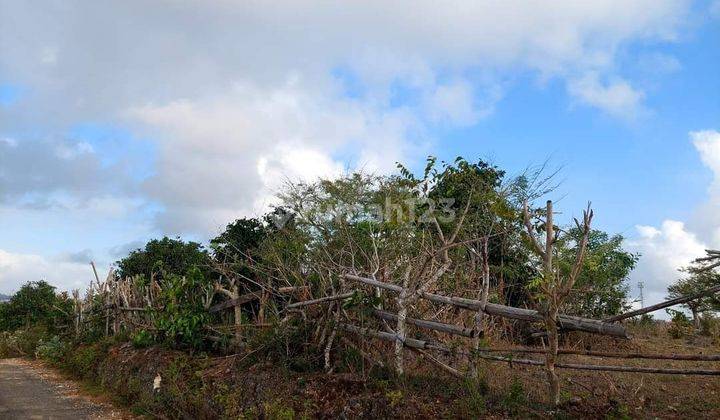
(642, 300)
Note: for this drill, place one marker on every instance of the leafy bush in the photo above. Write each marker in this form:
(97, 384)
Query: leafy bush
(515, 398)
(183, 320)
(84, 360)
(474, 401)
(164, 257)
(52, 350)
(35, 305)
(9, 346)
(709, 325)
(28, 339)
(680, 325)
(142, 338)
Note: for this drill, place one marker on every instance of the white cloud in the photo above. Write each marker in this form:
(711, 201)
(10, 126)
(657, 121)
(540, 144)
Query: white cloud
(706, 219)
(617, 97)
(35, 172)
(17, 269)
(664, 251)
(676, 244)
(220, 158)
(456, 103)
(225, 86)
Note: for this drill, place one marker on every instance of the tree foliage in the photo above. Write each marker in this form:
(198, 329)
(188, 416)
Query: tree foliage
(35, 304)
(164, 257)
(695, 281)
(602, 288)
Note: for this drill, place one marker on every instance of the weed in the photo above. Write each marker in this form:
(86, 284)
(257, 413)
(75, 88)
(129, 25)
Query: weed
(52, 350)
(394, 397)
(142, 339)
(515, 398)
(276, 410)
(474, 401)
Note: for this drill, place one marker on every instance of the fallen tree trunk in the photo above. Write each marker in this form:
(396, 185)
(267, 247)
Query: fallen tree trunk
(409, 342)
(431, 325)
(320, 300)
(661, 305)
(420, 344)
(651, 356)
(606, 368)
(565, 322)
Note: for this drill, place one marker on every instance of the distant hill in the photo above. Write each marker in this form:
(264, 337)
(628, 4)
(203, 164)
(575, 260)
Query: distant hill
(4, 298)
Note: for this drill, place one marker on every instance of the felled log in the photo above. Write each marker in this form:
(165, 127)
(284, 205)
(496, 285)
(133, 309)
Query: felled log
(661, 305)
(319, 300)
(382, 335)
(651, 356)
(420, 344)
(431, 325)
(605, 368)
(565, 322)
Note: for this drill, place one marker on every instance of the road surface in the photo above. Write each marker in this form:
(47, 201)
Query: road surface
(30, 391)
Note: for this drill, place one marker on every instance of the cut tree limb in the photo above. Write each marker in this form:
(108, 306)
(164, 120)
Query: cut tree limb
(320, 300)
(609, 368)
(431, 325)
(420, 344)
(565, 322)
(651, 356)
(661, 305)
(231, 303)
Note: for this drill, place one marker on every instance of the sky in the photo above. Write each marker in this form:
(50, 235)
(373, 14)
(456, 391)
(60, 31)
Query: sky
(125, 121)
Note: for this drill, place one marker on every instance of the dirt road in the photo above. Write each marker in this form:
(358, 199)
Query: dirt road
(30, 391)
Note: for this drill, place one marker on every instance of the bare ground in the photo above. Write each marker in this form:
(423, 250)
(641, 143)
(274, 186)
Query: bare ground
(29, 390)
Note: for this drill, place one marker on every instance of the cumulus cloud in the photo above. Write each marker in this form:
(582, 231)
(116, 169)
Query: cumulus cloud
(31, 172)
(617, 98)
(17, 269)
(235, 93)
(664, 250)
(706, 220)
(676, 244)
(223, 157)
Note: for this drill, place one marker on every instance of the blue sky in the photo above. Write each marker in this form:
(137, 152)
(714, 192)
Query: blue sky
(119, 124)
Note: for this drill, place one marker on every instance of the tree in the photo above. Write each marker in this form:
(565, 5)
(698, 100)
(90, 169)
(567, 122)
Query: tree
(239, 242)
(697, 280)
(555, 285)
(163, 257)
(234, 252)
(601, 288)
(35, 304)
(477, 187)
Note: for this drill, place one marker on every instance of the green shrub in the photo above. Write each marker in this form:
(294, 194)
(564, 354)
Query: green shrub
(84, 360)
(52, 350)
(276, 410)
(9, 346)
(709, 325)
(515, 398)
(680, 325)
(28, 339)
(142, 339)
(474, 402)
(182, 321)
